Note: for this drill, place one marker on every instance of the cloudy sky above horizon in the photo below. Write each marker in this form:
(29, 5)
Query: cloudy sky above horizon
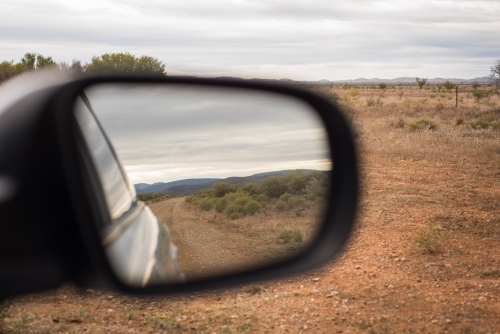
(165, 133)
(301, 40)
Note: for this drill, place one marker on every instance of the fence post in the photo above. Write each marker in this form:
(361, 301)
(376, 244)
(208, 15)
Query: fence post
(456, 96)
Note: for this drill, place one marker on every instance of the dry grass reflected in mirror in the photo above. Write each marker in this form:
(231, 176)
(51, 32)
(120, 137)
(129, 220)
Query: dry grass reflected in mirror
(230, 227)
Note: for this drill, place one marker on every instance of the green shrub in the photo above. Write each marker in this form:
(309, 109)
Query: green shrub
(232, 207)
(297, 203)
(222, 188)
(242, 200)
(191, 199)
(231, 197)
(220, 204)
(206, 204)
(250, 188)
(297, 183)
(261, 198)
(252, 207)
(319, 192)
(273, 187)
(281, 206)
(448, 85)
(153, 197)
(247, 199)
(285, 197)
(421, 82)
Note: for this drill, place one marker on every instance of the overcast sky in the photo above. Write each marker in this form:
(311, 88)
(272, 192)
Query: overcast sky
(167, 133)
(302, 40)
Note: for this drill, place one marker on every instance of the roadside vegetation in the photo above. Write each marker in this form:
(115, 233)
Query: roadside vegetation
(292, 192)
(108, 63)
(279, 215)
(150, 198)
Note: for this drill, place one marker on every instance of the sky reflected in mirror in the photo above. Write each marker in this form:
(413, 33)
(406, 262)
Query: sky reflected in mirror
(165, 133)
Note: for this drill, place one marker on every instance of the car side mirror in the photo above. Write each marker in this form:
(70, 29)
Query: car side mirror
(179, 184)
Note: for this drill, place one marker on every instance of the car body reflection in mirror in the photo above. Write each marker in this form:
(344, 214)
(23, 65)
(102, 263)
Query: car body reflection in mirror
(138, 245)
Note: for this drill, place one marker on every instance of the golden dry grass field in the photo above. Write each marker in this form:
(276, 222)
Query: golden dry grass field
(424, 257)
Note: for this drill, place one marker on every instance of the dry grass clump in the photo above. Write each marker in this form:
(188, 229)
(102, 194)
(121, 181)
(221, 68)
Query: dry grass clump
(374, 103)
(431, 240)
(490, 273)
(291, 237)
(486, 121)
(422, 124)
(253, 289)
(482, 227)
(414, 125)
(167, 324)
(435, 128)
(399, 123)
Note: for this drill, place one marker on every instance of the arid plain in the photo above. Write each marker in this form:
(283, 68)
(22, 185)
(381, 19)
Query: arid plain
(423, 257)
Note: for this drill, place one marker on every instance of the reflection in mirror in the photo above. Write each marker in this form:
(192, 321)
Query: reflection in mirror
(236, 178)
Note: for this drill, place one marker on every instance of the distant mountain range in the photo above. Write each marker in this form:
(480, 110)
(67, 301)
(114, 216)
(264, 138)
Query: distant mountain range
(411, 80)
(190, 186)
(143, 188)
(400, 80)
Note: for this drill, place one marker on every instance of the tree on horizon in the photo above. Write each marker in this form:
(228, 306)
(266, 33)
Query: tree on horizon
(124, 63)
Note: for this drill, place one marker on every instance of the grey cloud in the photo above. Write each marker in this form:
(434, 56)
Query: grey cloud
(271, 39)
(407, 11)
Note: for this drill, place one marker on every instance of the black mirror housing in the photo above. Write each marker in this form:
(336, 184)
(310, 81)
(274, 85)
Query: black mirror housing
(47, 234)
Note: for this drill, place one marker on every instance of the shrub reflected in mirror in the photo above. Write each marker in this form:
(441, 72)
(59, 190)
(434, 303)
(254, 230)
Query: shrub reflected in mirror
(239, 178)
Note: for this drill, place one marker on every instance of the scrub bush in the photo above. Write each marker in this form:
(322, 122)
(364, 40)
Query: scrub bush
(281, 206)
(206, 204)
(252, 207)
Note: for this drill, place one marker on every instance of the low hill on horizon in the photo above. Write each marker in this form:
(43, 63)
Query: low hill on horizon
(191, 186)
(144, 188)
(411, 80)
(398, 80)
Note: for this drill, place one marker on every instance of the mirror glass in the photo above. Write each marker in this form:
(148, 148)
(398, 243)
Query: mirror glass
(199, 181)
